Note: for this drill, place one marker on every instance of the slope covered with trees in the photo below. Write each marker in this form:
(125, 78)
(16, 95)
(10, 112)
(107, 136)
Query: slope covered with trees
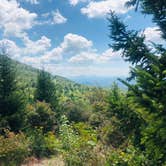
(46, 116)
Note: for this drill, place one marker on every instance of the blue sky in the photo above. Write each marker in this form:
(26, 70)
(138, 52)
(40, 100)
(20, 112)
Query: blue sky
(68, 37)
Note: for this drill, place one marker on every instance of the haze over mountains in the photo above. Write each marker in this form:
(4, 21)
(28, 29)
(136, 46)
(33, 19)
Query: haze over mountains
(98, 80)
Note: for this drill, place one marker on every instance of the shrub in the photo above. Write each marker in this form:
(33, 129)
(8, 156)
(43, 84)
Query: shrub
(128, 157)
(44, 145)
(52, 144)
(77, 111)
(67, 135)
(41, 115)
(78, 142)
(96, 119)
(86, 133)
(14, 148)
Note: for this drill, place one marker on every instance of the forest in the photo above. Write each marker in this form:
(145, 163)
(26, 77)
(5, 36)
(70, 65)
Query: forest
(47, 117)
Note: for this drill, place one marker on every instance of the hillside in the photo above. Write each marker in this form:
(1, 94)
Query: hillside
(29, 74)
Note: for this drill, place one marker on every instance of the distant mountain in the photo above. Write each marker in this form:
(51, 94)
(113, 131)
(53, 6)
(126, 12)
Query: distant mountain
(29, 74)
(98, 81)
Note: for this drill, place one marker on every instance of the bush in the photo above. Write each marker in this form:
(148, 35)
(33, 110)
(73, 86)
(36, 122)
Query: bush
(78, 142)
(86, 133)
(44, 145)
(52, 144)
(77, 111)
(96, 119)
(128, 157)
(14, 148)
(41, 115)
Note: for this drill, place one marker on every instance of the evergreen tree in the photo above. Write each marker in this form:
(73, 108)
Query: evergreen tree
(157, 8)
(148, 94)
(45, 90)
(11, 101)
(128, 122)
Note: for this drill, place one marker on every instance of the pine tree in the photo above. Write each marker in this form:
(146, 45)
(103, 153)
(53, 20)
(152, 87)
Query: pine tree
(128, 121)
(157, 8)
(11, 101)
(148, 94)
(45, 90)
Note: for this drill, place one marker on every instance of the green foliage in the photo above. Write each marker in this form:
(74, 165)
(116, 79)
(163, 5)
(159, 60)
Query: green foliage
(96, 120)
(40, 115)
(69, 141)
(37, 146)
(43, 145)
(155, 8)
(77, 111)
(126, 121)
(45, 89)
(11, 100)
(129, 42)
(100, 127)
(86, 133)
(147, 94)
(67, 135)
(77, 141)
(14, 148)
(128, 157)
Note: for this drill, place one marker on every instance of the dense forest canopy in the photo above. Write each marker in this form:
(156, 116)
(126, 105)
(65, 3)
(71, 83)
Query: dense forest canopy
(46, 116)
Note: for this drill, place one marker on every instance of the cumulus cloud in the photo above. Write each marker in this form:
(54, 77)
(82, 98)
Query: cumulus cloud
(75, 2)
(72, 45)
(31, 49)
(58, 18)
(9, 47)
(84, 58)
(102, 7)
(52, 18)
(109, 55)
(153, 34)
(74, 49)
(36, 47)
(87, 58)
(14, 19)
(36, 52)
(74, 56)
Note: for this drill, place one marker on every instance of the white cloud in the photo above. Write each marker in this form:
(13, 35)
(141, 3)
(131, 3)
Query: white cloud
(58, 18)
(153, 34)
(75, 2)
(109, 55)
(45, 15)
(87, 58)
(52, 18)
(77, 50)
(36, 47)
(72, 45)
(84, 58)
(14, 19)
(74, 56)
(31, 49)
(10, 48)
(102, 7)
(33, 2)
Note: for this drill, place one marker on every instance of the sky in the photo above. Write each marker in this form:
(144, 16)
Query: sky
(68, 37)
